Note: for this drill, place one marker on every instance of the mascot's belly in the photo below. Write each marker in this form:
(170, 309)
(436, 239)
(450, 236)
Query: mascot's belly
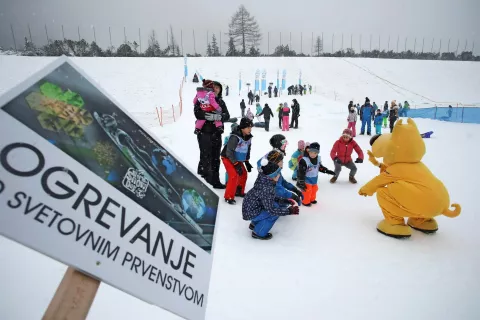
(417, 190)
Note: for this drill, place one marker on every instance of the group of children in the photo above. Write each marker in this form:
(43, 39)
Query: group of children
(272, 196)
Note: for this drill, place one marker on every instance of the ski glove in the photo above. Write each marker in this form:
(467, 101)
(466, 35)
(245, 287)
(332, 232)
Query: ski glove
(330, 172)
(337, 160)
(213, 116)
(238, 168)
(294, 210)
(301, 185)
(296, 198)
(248, 166)
(298, 192)
(359, 160)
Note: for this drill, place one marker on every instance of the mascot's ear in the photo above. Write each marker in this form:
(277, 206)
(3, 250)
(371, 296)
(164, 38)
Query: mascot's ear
(412, 123)
(399, 123)
(374, 138)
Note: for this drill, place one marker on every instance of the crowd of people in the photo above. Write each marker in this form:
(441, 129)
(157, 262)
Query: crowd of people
(369, 113)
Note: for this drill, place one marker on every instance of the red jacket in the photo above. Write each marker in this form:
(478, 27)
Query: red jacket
(343, 150)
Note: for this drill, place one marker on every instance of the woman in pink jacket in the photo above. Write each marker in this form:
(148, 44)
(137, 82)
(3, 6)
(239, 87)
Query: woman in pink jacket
(285, 117)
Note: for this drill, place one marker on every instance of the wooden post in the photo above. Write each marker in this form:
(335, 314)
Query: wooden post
(160, 117)
(73, 298)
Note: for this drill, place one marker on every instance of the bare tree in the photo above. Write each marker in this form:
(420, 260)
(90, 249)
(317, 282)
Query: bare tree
(318, 47)
(244, 30)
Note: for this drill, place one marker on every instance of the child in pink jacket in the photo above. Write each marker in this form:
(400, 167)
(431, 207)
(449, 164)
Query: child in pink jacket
(285, 117)
(352, 121)
(206, 97)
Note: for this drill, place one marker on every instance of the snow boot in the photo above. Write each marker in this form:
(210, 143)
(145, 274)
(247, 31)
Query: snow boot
(251, 226)
(397, 231)
(267, 237)
(230, 201)
(307, 205)
(352, 179)
(239, 193)
(334, 179)
(314, 202)
(427, 226)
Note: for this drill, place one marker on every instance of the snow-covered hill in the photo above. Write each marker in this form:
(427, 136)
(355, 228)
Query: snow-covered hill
(329, 262)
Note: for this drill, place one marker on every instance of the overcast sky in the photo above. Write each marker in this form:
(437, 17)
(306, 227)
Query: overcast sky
(433, 20)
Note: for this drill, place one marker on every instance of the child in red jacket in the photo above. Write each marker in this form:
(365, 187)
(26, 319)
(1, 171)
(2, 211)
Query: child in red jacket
(341, 155)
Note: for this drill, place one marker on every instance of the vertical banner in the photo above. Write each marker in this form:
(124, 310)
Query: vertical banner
(284, 79)
(257, 80)
(239, 82)
(264, 80)
(300, 78)
(278, 79)
(185, 67)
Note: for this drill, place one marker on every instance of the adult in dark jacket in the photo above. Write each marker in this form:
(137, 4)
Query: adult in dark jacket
(235, 157)
(266, 113)
(250, 97)
(295, 114)
(257, 98)
(275, 91)
(210, 140)
(269, 91)
(259, 205)
(280, 114)
(366, 112)
(243, 107)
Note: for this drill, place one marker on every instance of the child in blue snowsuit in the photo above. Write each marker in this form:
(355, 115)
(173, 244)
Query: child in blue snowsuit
(283, 189)
(260, 205)
(378, 122)
(225, 141)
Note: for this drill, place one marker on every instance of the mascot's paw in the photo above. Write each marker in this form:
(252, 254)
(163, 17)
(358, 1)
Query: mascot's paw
(424, 225)
(398, 231)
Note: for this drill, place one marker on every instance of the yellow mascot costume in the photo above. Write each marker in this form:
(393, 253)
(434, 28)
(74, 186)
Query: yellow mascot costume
(405, 187)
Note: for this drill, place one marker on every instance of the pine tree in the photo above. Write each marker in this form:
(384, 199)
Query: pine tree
(231, 51)
(318, 47)
(244, 30)
(153, 49)
(209, 50)
(215, 49)
(173, 46)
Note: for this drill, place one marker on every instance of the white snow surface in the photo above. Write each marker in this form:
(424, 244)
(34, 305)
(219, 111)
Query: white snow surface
(329, 262)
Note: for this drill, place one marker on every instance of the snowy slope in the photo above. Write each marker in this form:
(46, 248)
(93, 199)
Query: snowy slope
(326, 263)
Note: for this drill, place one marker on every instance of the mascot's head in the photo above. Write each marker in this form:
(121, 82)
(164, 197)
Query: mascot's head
(403, 145)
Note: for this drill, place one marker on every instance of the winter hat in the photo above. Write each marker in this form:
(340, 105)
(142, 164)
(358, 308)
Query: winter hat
(245, 123)
(269, 169)
(314, 147)
(347, 132)
(301, 144)
(234, 126)
(207, 83)
(285, 104)
(367, 100)
(278, 141)
(275, 156)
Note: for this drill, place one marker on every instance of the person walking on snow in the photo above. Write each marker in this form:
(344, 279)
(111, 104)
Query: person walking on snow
(341, 155)
(286, 117)
(308, 168)
(243, 107)
(266, 113)
(385, 113)
(352, 120)
(269, 91)
(250, 97)
(378, 122)
(366, 115)
(295, 114)
(259, 205)
(235, 157)
(280, 118)
(275, 91)
(296, 157)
